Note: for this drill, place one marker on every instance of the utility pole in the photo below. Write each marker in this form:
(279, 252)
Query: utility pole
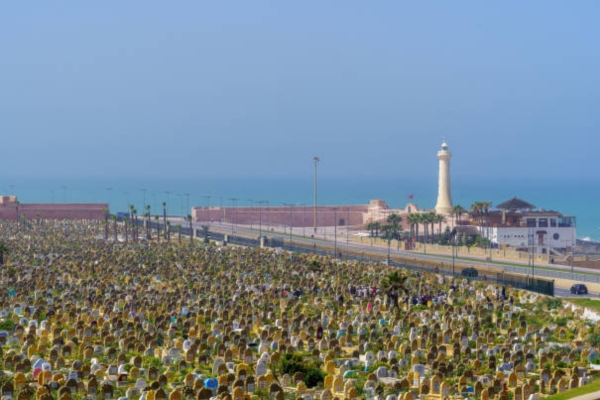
(260, 203)
(233, 204)
(315, 160)
(335, 254)
(290, 205)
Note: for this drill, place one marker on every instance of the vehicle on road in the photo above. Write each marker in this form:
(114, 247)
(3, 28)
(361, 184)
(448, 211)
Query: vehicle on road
(579, 288)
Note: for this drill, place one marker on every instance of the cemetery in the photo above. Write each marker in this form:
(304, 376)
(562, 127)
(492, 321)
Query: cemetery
(83, 317)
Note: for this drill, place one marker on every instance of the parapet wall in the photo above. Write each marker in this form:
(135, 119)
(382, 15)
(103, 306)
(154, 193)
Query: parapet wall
(297, 216)
(91, 211)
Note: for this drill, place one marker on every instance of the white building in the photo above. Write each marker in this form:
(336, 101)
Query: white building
(518, 224)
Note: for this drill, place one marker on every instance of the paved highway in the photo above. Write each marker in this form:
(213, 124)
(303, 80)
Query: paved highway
(445, 262)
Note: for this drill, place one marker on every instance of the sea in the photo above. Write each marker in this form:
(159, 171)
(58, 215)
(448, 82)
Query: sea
(574, 197)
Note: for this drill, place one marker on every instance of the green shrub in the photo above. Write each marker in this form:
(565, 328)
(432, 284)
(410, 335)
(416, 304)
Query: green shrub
(594, 339)
(7, 325)
(561, 321)
(314, 376)
(552, 304)
(291, 363)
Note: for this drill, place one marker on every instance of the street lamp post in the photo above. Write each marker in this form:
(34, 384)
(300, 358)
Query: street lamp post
(335, 233)
(315, 160)
(573, 243)
(260, 203)
(168, 193)
(303, 219)
(207, 197)
(348, 226)
(290, 205)
(251, 211)
(144, 198)
(453, 251)
(187, 203)
(233, 201)
(268, 216)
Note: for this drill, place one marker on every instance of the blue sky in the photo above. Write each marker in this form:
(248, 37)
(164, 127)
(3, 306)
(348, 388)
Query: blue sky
(257, 88)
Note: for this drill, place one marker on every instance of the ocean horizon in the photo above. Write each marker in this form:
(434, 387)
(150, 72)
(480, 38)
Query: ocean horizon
(574, 197)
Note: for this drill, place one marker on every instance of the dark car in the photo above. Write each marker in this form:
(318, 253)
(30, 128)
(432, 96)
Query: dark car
(470, 272)
(579, 288)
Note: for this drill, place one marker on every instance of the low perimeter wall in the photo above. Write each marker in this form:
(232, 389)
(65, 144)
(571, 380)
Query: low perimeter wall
(462, 251)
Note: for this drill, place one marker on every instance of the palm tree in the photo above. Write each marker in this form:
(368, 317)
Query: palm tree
(386, 234)
(148, 231)
(458, 211)
(179, 233)
(377, 227)
(189, 219)
(168, 231)
(393, 284)
(412, 219)
(391, 230)
(370, 227)
(164, 204)
(126, 225)
(133, 213)
(394, 281)
(486, 205)
(3, 250)
(394, 221)
(439, 219)
(424, 219)
(475, 211)
(106, 216)
(205, 231)
(114, 218)
(134, 224)
(17, 203)
(156, 220)
(432, 221)
(418, 220)
(481, 213)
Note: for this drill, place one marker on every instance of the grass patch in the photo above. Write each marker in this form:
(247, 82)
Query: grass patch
(589, 388)
(587, 303)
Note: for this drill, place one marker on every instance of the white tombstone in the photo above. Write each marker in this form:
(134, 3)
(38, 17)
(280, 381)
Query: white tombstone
(218, 361)
(420, 369)
(414, 333)
(73, 375)
(381, 372)
(261, 368)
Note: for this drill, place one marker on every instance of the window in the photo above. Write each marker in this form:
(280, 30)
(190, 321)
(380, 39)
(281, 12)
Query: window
(553, 222)
(531, 223)
(566, 222)
(543, 222)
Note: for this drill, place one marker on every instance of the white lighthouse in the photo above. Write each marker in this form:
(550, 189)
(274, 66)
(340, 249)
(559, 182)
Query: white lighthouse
(444, 200)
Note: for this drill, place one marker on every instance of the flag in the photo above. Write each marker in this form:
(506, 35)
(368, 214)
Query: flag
(410, 196)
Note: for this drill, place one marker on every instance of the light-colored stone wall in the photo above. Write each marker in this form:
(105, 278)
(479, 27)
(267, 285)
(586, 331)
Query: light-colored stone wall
(91, 211)
(464, 251)
(299, 216)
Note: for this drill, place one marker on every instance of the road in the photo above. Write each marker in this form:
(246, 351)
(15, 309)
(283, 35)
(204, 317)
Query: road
(549, 271)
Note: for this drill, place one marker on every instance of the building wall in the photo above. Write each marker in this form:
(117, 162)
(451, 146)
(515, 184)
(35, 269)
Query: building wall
(299, 216)
(95, 211)
(518, 237)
